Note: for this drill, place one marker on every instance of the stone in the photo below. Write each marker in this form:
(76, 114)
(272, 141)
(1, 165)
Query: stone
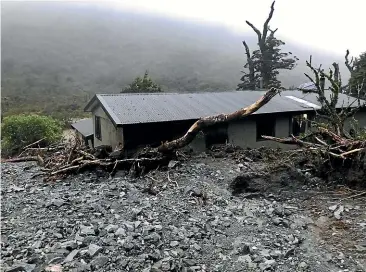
(57, 202)
(129, 226)
(289, 252)
(120, 232)
(22, 267)
(69, 245)
(87, 230)
(58, 235)
(244, 249)
(360, 248)
(339, 212)
(154, 237)
(276, 254)
(99, 261)
(196, 247)
(172, 164)
(333, 208)
(174, 243)
(279, 210)
(303, 265)
(267, 264)
(111, 228)
(94, 250)
(71, 256)
(276, 221)
(53, 268)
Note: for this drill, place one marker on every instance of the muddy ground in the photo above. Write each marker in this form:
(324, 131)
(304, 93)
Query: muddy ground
(197, 216)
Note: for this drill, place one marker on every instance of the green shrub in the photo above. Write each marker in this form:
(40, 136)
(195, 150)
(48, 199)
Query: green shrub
(18, 131)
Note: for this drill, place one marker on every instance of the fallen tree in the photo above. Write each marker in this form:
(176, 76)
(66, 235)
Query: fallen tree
(61, 160)
(214, 120)
(328, 145)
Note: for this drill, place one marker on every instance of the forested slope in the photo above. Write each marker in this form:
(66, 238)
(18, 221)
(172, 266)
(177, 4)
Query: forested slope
(56, 55)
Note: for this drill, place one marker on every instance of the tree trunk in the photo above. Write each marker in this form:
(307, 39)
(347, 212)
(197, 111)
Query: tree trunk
(262, 38)
(213, 120)
(250, 67)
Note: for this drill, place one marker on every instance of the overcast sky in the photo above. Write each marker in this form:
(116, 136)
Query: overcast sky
(333, 25)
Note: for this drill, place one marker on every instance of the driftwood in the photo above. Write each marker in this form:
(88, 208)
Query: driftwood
(217, 119)
(33, 144)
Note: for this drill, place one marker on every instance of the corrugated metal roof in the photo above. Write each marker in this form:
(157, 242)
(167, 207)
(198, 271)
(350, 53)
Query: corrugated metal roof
(84, 126)
(160, 107)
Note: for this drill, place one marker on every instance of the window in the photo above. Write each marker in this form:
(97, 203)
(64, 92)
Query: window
(298, 124)
(98, 128)
(216, 134)
(266, 126)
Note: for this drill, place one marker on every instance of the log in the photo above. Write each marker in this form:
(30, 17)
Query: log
(32, 144)
(23, 159)
(216, 119)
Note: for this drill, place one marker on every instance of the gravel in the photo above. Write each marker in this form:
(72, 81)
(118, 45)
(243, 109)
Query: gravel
(213, 221)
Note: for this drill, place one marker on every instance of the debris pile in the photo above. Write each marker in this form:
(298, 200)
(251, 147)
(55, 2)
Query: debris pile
(57, 161)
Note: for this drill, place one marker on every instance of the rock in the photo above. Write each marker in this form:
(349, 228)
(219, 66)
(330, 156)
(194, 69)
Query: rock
(69, 245)
(154, 238)
(360, 248)
(111, 228)
(71, 256)
(174, 243)
(279, 210)
(94, 250)
(245, 259)
(339, 212)
(99, 262)
(196, 247)
(333, 208)
(87, 230)
(276, 221)
(129, 226)
(193, 191)
(58, 235)
(22, 267)
(37, 244)
(53, 268)
(302, 265)
(57, 202)
(244, 249)
(248, 261)
(267, 264)
(172, 164)
(289, 252)
(121, 232)
(276, 254)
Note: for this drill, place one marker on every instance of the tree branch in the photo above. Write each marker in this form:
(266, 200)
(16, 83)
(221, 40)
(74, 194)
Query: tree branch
(217, 119)
(265, 26)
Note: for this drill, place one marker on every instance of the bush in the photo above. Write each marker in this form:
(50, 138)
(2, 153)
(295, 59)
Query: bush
(21, 130)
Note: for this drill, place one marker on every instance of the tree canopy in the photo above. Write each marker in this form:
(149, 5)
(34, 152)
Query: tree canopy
(142, 85)
(265, 62)
(357, 82)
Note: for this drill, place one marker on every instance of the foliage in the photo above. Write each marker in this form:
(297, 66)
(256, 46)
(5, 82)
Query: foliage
(142, 85)
(265, 63)
(357, 82)
(21, 130)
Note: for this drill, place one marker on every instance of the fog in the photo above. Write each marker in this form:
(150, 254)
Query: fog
(51, 51)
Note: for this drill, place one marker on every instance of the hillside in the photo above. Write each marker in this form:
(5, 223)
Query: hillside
(56, 55)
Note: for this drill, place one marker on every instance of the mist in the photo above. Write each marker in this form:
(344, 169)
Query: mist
(54, 51)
